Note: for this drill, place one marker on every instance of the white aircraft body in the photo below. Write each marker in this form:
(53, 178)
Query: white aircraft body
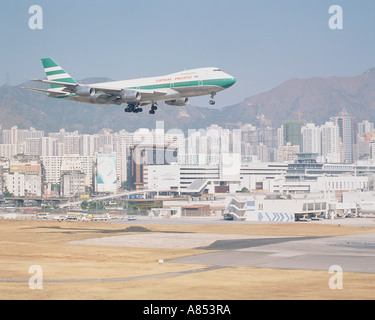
(174, 89)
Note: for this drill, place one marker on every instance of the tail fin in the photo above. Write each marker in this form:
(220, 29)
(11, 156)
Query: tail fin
(55, 73)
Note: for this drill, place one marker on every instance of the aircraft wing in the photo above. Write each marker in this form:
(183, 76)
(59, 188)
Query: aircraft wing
(146, 93)
(71, 87)
(152, 94)
(107, 92)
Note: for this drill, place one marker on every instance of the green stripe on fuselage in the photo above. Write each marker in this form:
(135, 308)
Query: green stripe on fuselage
(224, 83)
(186, 84)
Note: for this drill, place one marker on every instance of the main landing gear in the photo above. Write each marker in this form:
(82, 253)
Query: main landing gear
(133, 108)
(154, 107)
(212, 101)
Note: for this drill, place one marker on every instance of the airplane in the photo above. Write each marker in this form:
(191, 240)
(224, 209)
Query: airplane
(174, 89)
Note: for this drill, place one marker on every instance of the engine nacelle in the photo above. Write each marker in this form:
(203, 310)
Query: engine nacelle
(178, 102)
(130, 95)
(85, 91)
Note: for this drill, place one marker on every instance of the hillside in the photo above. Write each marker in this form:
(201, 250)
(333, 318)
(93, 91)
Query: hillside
(317, 99)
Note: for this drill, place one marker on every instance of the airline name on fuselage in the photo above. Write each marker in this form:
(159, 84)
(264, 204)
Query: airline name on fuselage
(176, 79)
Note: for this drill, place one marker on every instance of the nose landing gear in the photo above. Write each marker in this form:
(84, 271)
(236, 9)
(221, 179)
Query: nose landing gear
(154, 107)
(212, 101)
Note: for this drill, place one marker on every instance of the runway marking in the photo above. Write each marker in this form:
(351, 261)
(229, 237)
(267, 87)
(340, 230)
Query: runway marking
(287, 254)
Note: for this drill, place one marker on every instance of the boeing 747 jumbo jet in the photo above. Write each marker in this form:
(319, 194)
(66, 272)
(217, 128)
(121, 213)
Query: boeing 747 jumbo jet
(174, 89)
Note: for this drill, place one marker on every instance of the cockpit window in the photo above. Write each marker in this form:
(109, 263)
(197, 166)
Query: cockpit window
(217, 70)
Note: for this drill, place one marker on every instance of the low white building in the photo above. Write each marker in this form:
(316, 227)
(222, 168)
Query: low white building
(260, 175)
(230, 172)
(166, 213)
(263, 208)
(363, 201)
(16, 184)
(52, 166)
(21, 185)
(33, 185)
(162, 177)
(321, 184)
(72, 184)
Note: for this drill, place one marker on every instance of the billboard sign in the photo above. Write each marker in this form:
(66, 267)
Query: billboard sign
(106, 172)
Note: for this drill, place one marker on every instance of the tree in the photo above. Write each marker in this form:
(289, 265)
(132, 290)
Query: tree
(7, 194)
(84, 205)
(97, 205)
(126, 185)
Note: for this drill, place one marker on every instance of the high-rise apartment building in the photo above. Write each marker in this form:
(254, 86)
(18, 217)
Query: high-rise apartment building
(311, 138)
(292, 133)
(348, 132)
(330, 138)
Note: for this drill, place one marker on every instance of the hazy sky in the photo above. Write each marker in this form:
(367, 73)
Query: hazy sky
(261, 42)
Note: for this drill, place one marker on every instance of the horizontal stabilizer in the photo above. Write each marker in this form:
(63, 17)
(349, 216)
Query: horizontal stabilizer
(58, 83)
(55, 93)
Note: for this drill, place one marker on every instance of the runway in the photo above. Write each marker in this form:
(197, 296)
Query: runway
(352, 253)
(175, 240)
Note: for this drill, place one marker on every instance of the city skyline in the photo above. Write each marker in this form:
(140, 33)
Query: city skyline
(250, 158)
(331, 140)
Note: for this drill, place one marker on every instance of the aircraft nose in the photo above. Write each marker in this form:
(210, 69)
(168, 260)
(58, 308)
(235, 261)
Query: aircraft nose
(231, 81)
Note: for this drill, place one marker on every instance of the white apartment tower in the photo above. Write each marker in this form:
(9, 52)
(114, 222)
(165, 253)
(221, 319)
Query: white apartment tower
(121, 144)
(89, 144)
(311, 138)
(330, 142)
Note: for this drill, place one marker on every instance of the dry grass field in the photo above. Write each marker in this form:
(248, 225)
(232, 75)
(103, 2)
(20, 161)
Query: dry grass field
(104, 272)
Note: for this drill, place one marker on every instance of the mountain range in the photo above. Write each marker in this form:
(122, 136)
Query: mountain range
(314, 100)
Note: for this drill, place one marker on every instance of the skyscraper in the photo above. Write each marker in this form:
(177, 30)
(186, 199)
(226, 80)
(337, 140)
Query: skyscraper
(311, 138)
(348, 132)
(330, 142)
(292, 133)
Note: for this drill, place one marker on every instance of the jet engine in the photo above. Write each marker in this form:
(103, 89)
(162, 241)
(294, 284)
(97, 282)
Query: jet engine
(130, 95)
(178, 102)
(85, 91)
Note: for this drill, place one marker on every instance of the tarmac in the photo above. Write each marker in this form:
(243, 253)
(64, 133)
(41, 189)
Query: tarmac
(168, 240)
(144, 220)
(351, 253)
(354, 253)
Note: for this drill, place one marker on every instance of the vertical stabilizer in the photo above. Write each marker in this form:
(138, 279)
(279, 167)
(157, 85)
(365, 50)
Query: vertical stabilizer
(55, 73)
